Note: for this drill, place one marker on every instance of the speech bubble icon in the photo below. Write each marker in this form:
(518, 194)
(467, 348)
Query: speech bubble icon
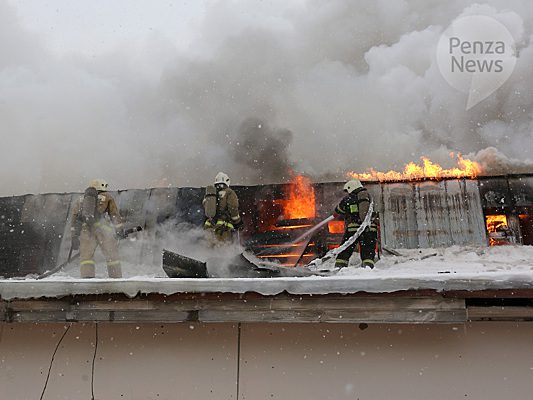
(476, 55)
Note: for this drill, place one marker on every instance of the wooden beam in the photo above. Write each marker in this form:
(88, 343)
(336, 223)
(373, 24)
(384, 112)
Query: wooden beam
(245, 308)
(507, 313)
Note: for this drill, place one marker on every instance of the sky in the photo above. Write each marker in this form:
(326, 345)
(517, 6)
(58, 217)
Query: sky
(96, 27)
(147, 94)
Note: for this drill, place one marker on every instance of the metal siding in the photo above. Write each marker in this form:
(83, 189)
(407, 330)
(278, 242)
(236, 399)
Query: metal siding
(432, 214)
(189, 207)
(11, 239)
(328, 195)
(467, 224)
(67, 234)
(522, 191)
(132, 206)
(43, 220)
(159, 208)
(399, 221)
(35, 234)
(494, 193)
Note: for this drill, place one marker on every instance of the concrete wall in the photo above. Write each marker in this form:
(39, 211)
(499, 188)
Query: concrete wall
(482, 360)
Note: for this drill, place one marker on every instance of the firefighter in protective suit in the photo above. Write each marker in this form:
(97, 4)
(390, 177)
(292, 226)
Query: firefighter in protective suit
(96, 217)
(221, 207)
(353, 209)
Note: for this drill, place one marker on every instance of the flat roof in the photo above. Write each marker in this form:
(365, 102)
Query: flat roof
(33, 289)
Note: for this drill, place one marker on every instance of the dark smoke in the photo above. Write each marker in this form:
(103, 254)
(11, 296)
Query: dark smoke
(263, 149)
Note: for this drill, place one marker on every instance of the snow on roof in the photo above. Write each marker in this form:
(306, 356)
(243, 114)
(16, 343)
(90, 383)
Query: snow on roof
(448, 269)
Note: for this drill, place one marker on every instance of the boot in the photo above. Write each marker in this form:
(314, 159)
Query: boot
(87, 271)
(340, 263)
(368, 263)
(114, 270)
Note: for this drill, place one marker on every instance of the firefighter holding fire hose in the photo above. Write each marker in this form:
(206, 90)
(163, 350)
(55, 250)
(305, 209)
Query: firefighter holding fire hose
(353, 209)
(96, 221)
(221, 206)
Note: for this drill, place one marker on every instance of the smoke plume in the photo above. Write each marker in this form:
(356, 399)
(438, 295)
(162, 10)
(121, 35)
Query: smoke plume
(263, 150)
(318, 87)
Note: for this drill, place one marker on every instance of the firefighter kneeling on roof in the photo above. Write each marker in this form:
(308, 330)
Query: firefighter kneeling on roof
(353, 209)
(221, 206)
(95, 221)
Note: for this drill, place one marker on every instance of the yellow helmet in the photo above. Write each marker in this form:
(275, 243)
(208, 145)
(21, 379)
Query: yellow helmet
(99, 184)
(352, 185)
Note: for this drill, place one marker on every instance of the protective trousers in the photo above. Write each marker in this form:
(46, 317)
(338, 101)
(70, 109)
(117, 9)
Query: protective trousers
(222, 230)
(102, 234)
(367, 242)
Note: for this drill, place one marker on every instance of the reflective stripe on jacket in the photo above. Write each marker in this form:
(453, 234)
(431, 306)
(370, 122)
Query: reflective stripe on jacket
(354, 207)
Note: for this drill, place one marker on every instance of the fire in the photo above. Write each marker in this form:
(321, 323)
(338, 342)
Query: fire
(281, 228)
(427, 170)
(292, 213)
(300, 199)
(497, 228)
(496, 223)
(336, 226)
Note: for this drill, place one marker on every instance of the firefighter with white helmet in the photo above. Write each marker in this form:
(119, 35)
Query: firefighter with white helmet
(96, 219)
(221, 206)
(353, 209)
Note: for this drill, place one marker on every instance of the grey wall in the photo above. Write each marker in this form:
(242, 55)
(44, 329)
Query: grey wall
(477, 361)
(35, 229)
(35, 235)
(424, 214)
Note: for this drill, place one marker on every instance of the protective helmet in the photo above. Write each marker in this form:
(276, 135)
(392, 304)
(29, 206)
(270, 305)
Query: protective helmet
(99, 184)
(352, 185)
(222, 178)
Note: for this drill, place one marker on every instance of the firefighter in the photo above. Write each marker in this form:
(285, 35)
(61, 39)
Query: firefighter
(353, 209)
(221, 207)
(96, 221)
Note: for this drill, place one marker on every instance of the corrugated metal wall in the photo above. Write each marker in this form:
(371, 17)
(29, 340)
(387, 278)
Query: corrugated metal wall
(422, 214)
(35, 237)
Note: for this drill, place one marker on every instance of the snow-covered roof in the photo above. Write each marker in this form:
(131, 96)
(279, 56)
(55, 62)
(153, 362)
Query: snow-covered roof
(447, 269)
(421, 286)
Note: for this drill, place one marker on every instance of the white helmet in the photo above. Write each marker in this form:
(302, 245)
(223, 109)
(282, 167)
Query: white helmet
(99, 184)
(352, 185)
(222, 178)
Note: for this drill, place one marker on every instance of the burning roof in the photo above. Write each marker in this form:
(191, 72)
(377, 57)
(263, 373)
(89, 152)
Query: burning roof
(432, 213)
(427, 170)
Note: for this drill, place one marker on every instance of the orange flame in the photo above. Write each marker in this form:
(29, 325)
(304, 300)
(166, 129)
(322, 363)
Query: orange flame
(336, 226)
(496, 223)
(428, 170)
(300, 200)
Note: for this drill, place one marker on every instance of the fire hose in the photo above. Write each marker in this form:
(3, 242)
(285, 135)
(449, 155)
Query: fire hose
(335, 252)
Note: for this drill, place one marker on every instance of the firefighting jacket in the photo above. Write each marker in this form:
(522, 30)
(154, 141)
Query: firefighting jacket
(227, 209)
(353, 208)
(105, 208)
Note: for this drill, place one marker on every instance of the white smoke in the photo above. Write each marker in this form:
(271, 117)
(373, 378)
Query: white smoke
(352, 84)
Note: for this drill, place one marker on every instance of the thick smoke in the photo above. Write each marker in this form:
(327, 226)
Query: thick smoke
(263, 150)
(336, 86)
